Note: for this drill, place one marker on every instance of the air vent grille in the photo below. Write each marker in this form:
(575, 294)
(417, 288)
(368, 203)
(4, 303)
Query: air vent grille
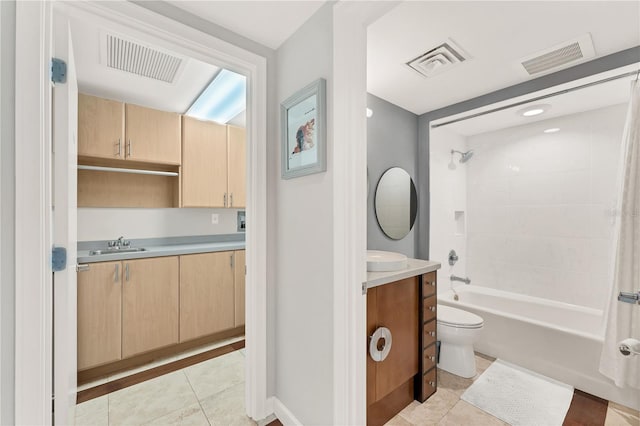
(560, 56)
(554, 59)
(135, 58)
(437, 60)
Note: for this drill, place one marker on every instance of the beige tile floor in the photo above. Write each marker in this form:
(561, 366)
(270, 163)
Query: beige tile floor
(446, 408)
(209, 393)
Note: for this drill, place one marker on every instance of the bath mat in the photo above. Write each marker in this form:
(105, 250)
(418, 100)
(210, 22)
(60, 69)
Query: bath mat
(520, 397)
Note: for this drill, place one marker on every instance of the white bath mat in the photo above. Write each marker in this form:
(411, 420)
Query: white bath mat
(520, 397)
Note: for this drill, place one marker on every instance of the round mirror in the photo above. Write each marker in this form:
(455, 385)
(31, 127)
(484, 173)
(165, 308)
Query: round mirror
(396, 203)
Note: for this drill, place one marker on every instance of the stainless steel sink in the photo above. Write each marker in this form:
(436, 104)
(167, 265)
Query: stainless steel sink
(116, 250)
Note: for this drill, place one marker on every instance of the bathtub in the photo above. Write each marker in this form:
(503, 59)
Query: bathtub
(559, 340)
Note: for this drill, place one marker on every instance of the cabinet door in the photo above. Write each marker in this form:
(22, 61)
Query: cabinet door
(206, 294)
(152, 136)
(236, 138)
(100, 127)
(239, 287)
(204, 163)
(99, 314)
(150, 304)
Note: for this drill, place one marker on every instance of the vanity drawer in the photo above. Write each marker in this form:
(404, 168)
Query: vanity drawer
(429, 383)
(429, 308)
(428, 285)
(429, 357)
(429, 333)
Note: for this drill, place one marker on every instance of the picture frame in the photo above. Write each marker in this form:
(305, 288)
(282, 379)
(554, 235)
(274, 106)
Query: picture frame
(304, 125)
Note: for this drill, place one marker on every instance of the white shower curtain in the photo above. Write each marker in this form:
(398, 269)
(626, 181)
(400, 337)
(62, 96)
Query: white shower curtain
(623, 319)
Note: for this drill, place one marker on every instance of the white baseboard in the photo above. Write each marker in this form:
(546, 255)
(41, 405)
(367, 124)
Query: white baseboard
(282, 412)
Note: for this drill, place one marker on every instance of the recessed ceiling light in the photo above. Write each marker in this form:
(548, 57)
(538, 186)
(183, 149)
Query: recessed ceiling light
(534, 110)
(552, 130)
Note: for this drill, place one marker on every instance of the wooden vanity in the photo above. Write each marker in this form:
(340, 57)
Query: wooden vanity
(405, 303)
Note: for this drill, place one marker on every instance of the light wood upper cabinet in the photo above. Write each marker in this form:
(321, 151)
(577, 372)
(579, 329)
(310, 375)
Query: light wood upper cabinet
(239, 287)
(150, 304)
(100, 127)
(204, 163)
(152, 136)
(99, 314)
(236, 140)
(206, 294)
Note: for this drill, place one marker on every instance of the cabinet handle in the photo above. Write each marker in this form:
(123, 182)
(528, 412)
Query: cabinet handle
(432, 358)
(119, 154)
(231, 259)
(231, 200)
(128, 148)
(82, 268)
(126, 272)
(432, 308)
(432, 333)
(225, 199)
(432, 384)
(432, 283)
(116, 273)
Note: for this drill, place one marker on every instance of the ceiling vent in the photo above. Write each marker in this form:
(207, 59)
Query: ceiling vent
(560, 56)
(438, 59)
(126, 55)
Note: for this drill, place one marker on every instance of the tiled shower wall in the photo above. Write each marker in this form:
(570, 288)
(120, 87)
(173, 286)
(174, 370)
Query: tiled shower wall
(540, 207)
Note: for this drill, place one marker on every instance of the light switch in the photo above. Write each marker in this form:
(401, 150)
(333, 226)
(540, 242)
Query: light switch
(214, 218)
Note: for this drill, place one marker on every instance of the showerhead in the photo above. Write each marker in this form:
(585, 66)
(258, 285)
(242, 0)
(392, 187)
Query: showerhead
(464, 156)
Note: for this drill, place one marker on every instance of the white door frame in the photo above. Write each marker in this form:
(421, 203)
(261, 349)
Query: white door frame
(350, 22)
(33, 182)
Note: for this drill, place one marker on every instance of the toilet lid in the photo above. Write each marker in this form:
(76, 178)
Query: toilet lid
(457, 317)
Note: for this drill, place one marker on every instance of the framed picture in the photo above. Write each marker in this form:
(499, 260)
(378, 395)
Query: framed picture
(304, 141)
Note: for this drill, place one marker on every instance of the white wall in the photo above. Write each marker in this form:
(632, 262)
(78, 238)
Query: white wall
(304, 243)
(108, 224)
(540, 205)
(448, 195)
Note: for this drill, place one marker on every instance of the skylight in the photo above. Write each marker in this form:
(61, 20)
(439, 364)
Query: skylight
(223, 99)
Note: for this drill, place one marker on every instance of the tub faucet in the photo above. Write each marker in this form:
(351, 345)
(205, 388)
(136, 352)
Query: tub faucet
(462, 280)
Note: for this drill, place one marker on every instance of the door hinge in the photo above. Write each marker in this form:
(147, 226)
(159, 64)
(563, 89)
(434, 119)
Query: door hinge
(364, 288)
(58, 259)
(58, 70)
(629, 297)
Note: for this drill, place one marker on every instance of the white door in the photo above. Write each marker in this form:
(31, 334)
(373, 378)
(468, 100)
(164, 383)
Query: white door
(64, 185)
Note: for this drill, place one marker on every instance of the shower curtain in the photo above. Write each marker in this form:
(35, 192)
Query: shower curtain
(623, 319)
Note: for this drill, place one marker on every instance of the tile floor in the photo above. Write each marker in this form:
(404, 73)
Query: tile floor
(209, 393)
(446, 408)
(212, 393)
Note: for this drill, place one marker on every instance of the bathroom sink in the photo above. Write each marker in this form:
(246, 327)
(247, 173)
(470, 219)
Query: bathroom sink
(112, 251)
(385, 261)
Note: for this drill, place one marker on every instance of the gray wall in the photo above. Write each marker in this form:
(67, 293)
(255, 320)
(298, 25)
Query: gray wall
(392, 141)
(7, 205)
(605, 63)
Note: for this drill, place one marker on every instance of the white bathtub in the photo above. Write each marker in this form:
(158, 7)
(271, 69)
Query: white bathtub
(559, 340)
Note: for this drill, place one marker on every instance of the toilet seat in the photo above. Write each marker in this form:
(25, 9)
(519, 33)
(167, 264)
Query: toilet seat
(453, 317)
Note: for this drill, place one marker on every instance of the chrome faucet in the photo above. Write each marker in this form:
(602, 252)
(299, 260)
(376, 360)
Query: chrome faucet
(119, 243)
(462, 280)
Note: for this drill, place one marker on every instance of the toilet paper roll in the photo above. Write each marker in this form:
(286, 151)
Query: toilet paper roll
(380, 344)
(629, 347)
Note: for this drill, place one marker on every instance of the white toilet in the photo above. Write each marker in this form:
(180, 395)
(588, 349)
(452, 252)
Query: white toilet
(458, 330)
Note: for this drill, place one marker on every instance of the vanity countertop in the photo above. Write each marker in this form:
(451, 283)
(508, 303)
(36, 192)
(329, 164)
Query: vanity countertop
(158, 247)
(414, 267)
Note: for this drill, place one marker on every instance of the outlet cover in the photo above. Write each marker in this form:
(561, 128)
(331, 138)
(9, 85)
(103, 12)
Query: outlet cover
(214, 218)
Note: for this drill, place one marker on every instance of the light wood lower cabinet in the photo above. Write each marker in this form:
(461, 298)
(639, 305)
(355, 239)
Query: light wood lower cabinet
(99, 314)
(149, 304)
(240, 272)
(206, 294)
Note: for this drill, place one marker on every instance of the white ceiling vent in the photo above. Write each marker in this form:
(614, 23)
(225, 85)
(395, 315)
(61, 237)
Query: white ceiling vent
(560, 56)
(133, 57)
(438, 59)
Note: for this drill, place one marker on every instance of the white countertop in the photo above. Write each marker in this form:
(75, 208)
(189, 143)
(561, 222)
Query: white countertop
(414, 267)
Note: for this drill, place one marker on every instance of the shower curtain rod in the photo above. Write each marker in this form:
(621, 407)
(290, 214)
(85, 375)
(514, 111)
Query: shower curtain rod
(539, 98)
